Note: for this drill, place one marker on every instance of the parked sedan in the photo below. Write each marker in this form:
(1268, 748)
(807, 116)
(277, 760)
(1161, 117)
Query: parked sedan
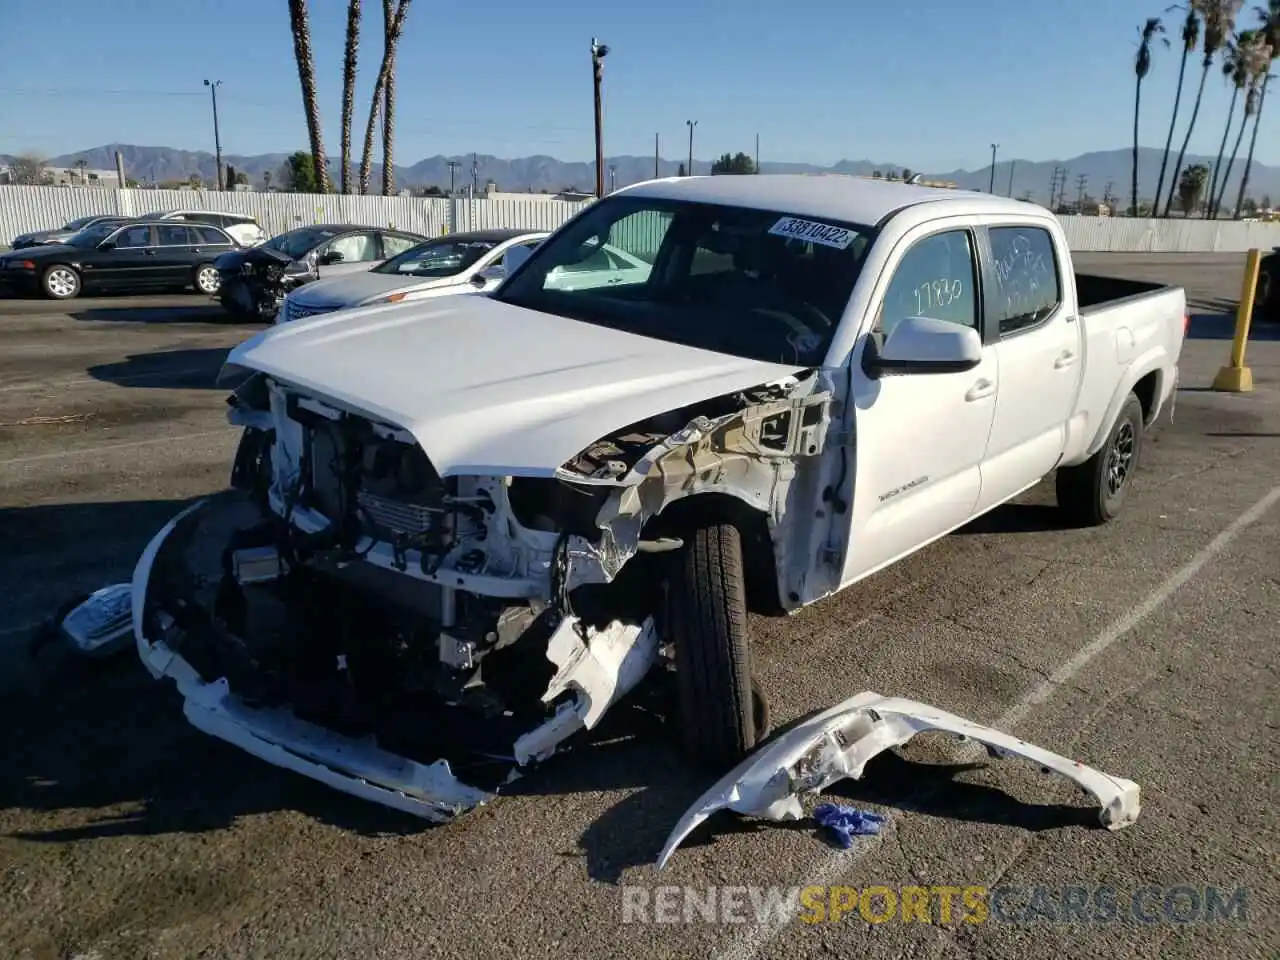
(472, 262)
(136, 256)
(252, 281)
(242, 228)
(63, 233)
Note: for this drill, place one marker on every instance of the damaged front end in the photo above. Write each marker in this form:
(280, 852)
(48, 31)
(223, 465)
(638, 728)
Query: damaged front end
(416, 640)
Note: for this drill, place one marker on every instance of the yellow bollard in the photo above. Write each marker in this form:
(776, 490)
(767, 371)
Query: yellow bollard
(1236, 377)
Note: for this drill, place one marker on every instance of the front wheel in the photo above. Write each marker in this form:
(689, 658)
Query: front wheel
(707, 623)
(1092, 493)
(60, 282)
(206, 279)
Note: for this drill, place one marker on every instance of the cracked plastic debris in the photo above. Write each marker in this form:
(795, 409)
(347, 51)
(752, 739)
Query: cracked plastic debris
(839, 742)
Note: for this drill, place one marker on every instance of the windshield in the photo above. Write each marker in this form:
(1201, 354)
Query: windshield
(298, 243)
(442, 257)
(89, 238)
(751, 283)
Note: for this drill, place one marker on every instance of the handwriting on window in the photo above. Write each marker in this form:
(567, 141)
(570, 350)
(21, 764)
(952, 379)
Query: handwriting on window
(937, 294)
(1025, 277)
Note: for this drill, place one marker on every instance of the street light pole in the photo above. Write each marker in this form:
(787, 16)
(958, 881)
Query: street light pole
(217, 142)
(453, 166)
(992, 188)
(598, 52)
(692, 124)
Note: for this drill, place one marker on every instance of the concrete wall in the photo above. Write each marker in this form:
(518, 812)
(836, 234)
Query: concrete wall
(36, 208)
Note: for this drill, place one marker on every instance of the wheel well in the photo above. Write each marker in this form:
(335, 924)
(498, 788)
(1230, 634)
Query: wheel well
(759, 566)
(1145, 390)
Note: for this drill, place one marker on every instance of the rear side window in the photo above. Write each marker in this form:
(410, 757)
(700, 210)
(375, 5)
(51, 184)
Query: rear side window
(1025, 288)
(173, 235)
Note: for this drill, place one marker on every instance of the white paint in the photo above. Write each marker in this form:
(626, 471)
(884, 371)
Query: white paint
(830, 866)
(127, 445)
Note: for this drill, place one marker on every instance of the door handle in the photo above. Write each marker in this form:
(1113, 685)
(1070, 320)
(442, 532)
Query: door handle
(983, 388)
(1065, 359)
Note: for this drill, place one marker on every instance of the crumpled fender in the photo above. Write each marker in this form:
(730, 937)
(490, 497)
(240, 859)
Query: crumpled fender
(838, 743)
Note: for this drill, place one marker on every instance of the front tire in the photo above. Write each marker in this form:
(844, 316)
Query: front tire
(707, 622)
(206, 279)
(1092, 493)
(60, 282)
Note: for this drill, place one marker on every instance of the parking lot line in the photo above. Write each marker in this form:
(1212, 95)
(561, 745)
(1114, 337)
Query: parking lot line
(830, 866)
(84, 451)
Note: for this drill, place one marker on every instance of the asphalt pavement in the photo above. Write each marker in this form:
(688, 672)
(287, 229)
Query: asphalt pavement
(1147, 648)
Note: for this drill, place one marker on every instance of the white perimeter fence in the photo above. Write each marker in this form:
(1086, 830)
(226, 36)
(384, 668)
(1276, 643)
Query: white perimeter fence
(23, 209)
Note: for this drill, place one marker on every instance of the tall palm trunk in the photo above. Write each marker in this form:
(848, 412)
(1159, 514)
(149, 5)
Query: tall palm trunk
(1253, 142)
(1137, 112)
(377, 103)
(1195, 112)
(1235, 150)
(1168, 141)
(1222, 149)
(349, 63)
(394, 25)
(298, 21)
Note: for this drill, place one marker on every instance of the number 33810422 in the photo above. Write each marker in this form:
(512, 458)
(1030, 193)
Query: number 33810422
(937, 293)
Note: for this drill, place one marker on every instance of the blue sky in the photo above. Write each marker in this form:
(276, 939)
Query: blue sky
(926, 83)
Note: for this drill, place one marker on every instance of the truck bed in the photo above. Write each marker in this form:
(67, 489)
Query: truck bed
(1095, 292)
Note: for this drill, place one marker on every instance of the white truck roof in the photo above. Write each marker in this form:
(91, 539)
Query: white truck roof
(850, 199)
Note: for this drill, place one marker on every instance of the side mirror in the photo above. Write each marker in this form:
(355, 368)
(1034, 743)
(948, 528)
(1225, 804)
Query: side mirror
(333, 256)
(924, 345)
(488, 275)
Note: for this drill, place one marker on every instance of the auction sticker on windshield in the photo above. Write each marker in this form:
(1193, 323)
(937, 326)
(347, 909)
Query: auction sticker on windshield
(823, 233)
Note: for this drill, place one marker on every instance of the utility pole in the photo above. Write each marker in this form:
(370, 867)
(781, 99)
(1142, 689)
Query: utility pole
(1107, 196)
(1053, 184)
(217, 142)
(692, 124)
(757, 153)
(598, 52)
(475, 175)
(655, 156)
(992, 187)
(1011, 165)
(453, 166)
(613, 178)
(1081, 181)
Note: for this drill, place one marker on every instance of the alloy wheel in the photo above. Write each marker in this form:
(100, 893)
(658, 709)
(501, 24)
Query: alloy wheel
(62, 282)
(1120, 461)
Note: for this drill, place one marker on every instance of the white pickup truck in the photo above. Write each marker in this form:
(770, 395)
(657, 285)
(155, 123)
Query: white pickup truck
(460, 530)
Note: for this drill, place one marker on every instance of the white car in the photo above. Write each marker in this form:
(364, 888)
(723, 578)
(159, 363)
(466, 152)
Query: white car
(464, 529)
(471, 262)
(244, 229)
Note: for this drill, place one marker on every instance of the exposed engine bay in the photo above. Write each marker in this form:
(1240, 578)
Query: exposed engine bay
(259, 281)
(344, 588)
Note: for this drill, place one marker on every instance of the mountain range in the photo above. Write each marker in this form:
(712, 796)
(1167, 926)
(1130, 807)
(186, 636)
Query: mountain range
(1100, 170)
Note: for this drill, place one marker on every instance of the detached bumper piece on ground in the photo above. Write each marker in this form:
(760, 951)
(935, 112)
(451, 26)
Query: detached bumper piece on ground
(839, 742)
(98, 626)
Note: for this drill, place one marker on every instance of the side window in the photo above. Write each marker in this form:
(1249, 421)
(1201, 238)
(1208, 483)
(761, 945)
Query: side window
(935, 279)
(211, 236)
(640, 234)
(355, 247)
(1025, 286)
(393, 245)
(173, 235)
(139, 236)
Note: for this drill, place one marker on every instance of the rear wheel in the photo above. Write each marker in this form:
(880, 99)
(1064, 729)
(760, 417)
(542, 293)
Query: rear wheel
(206, 279)
(722, 709)
(60, 282)
(1093, 492)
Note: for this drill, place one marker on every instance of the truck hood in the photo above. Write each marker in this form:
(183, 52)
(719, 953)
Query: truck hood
(490, 388)
(353, 289)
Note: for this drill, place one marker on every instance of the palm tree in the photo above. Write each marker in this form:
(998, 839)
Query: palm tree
(1269, 28)
(1235, 67)
(1219, 20)
(389, 93)
(298, 21)
(1191, 186)
(349, 62)
(1190, 40)
(377, 106)
(1257, 60)
(1149, 31)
